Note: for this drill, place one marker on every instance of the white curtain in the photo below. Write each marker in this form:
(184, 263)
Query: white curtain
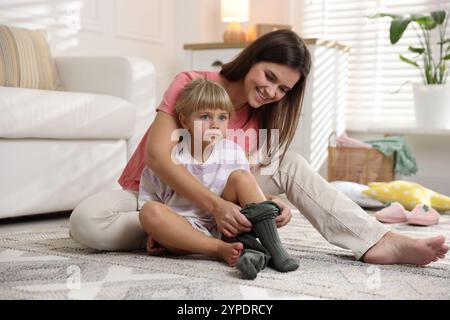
(375, 70)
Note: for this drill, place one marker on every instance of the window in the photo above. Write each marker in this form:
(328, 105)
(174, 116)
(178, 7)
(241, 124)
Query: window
(375, 70)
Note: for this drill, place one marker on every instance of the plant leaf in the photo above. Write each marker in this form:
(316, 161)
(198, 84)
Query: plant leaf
(409, 61)
(381, 15)
(447, 57)
(426, 21)
(416, 50)
(397, 29)
(439, 16)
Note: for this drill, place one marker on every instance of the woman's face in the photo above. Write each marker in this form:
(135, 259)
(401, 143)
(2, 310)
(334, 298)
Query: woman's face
(267, 82)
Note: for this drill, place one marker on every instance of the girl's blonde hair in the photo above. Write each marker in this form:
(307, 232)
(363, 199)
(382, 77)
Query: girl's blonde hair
(202, 94)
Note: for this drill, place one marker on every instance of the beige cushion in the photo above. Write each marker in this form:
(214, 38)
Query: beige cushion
(25, 60)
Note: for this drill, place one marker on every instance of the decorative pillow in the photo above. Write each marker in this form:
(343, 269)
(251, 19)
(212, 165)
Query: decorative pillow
(409, 194)
(25, 60)
(354, 191)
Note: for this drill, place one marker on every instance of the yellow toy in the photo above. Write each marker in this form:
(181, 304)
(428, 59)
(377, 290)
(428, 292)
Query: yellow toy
(409, 194)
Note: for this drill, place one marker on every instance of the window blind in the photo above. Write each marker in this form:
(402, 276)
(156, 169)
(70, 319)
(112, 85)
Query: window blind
(375, 71)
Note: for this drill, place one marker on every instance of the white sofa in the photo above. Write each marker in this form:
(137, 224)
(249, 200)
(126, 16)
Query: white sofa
(59, 147)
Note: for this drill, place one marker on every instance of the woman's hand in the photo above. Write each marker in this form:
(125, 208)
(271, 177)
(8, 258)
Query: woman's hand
(230, 221)
(285, 215)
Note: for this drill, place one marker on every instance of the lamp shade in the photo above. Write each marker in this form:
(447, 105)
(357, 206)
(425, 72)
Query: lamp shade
(234, 10)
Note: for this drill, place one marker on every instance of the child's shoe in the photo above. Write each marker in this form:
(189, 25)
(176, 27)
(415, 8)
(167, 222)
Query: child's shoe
(395, 213)
(423, 215)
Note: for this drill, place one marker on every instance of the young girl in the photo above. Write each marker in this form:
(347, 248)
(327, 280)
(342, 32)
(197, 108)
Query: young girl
(220, 165)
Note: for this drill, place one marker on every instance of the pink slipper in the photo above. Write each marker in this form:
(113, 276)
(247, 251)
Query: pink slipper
(423, 215)
(395, 213)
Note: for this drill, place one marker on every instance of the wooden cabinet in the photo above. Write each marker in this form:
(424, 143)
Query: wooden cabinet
(323, 108)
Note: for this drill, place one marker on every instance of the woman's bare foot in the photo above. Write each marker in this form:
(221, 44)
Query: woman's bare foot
(230, 252)
(395, 248)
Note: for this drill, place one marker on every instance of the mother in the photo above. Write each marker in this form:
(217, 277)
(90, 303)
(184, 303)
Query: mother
(266, 84)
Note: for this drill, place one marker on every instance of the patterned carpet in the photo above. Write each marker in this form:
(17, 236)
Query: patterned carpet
(49, 265)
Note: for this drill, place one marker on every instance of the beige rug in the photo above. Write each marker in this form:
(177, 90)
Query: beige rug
(49, 265)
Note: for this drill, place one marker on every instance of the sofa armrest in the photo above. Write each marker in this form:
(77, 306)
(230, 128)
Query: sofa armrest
(129, 78)
(122, 77)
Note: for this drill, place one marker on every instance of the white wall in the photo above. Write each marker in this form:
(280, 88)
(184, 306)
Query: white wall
(102, 27)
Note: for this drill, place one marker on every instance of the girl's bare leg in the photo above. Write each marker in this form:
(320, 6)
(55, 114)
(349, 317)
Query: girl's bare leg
(242, 188)
(177, 235)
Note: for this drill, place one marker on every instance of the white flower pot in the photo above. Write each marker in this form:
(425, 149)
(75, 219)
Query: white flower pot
(432, 105)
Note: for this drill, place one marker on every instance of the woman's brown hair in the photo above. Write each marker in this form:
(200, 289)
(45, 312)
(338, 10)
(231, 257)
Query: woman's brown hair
(282, 47)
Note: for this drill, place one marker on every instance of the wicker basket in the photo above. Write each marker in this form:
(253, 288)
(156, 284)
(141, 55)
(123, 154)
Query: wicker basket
(359, 165)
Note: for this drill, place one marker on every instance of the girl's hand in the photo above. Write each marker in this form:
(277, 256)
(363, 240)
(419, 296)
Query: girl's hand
(285, 215)
(230, 221)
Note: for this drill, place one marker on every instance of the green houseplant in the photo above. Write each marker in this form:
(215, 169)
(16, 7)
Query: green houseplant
(431, 58)
(434, 71)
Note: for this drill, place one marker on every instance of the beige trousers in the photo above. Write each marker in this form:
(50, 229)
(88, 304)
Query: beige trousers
(109, 220)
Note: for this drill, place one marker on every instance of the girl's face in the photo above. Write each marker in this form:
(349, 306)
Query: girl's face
(267, 82)
(207, 125)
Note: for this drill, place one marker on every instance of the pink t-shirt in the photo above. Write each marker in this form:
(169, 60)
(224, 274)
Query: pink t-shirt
(245, 118)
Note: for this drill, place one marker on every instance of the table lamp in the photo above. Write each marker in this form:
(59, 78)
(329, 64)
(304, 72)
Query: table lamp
(234, 12)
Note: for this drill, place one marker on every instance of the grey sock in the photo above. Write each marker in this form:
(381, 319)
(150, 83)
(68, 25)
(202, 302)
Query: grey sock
(254, 258)
(262, 216)
(251, 262)
(250, 242)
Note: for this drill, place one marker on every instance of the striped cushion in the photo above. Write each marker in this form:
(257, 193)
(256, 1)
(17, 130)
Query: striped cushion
(25, 60)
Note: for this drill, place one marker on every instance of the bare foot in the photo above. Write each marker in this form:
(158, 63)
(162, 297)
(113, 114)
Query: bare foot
(154, 248)
(230, 252)
(395, 248)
